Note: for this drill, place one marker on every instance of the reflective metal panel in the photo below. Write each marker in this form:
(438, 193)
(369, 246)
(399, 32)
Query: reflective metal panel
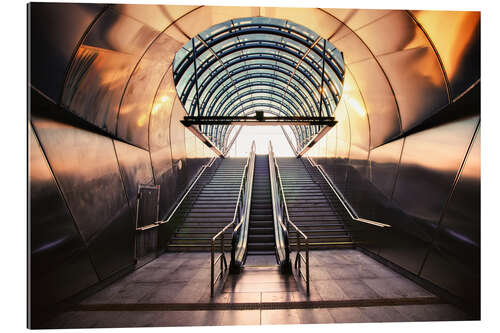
(460, 227)
(135, 168)
(159, 142)
(156, 16)
(352, 46)
(357, 18)
(379, 100)
(384, 166)
(113, 248)
(410, 64)
(404, 249)
(314, 19)
(417, 82)
(85, 166)
(56, 248)
(462, 280)
(67, 280)
(358, 117)
(456, 36)
(52, 45)
(191, 24)
(137, 104)
(102, 67)
(429, 164)
(178, 145)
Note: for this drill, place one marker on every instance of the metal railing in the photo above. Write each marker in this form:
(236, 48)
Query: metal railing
(300, 246)
(200, 173)
(343, 201)
(280, 229)
(241, 215)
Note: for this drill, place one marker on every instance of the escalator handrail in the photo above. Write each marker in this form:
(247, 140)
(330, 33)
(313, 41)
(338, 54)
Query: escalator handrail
(221, 258)
(240, 231)
(280, 229)
(299, 258)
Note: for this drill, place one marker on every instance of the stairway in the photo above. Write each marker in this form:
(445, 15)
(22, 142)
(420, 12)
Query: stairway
(260, 229)
(321, 217)
(208, 207)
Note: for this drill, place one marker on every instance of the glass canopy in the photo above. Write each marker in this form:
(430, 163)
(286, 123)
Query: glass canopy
(254, 64)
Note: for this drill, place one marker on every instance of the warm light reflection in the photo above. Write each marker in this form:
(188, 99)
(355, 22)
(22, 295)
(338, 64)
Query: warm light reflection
(142, 120)
(353, 104)
(162, 101)
(451, 33)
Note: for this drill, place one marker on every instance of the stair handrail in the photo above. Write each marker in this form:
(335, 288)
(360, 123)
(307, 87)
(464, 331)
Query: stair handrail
(352, 213)
(299, 258)
(202, 170)
(243, 191)
(240, 232)
(279, 211)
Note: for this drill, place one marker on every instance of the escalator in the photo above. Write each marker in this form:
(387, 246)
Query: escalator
(261, 230)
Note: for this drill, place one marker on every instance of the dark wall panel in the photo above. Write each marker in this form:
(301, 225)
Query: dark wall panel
(429, 164)
(178, 145)
(384, 166)
(462, 215)
(55, 30)
(459, 234)
(86, 168)
(58, 256)
(159, 142)
(135, 168)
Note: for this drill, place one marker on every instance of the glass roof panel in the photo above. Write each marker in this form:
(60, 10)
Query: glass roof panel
(259, 63)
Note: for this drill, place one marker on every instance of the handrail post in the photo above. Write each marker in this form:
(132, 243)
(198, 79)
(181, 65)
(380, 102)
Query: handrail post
(212, 255)
(307, 265)
(222, 253)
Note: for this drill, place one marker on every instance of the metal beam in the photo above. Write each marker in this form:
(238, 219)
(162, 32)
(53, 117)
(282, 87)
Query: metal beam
(314, 140)
(196, 78)
(259, 120)
(196, 131)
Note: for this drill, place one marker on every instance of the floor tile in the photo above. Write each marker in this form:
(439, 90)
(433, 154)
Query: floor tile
(281, 317)
(349, 315)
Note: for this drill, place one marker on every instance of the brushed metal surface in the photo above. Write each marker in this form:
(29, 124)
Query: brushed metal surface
(57, 250)
(379, 100)
(460, 32)
(429, 164)
(178, 146)
(384, 166)
(86, 169)
(393, 78)
(461, 221)
(51, 46)
(135, 168)
(102, 67)
(139, 99)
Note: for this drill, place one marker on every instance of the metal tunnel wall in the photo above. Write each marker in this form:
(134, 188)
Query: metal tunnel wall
(406, 148)
(105, 118)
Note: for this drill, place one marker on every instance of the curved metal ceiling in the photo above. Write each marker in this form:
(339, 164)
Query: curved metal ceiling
(259, 64)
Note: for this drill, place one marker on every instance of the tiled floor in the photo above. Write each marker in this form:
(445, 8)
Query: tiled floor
(349, 286)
